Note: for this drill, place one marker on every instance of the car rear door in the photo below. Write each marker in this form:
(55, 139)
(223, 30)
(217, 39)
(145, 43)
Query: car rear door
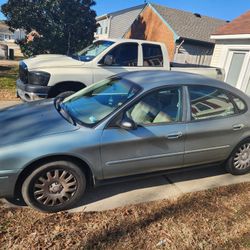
(216, 125)
(156, 144)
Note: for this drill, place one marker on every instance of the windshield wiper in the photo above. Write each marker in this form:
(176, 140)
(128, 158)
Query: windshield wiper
(63, 110)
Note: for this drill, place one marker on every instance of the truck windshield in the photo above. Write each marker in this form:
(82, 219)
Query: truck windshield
(92, 104)
(92, 51)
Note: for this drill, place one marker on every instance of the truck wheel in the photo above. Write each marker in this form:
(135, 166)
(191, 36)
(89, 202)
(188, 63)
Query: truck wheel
(65, 94)
(239, 162)
(54, 187)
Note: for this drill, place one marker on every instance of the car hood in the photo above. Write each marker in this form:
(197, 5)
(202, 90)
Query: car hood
(31, 120)
(51, 60)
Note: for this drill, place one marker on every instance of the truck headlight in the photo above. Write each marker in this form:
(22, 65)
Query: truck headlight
(38, 78)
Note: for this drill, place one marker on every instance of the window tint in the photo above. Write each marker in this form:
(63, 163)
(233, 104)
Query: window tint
(209, 102)
(162, 106)
(152, 55)
(125, 54)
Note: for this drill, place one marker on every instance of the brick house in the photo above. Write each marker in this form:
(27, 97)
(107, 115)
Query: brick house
(232, 51)
(186, 34)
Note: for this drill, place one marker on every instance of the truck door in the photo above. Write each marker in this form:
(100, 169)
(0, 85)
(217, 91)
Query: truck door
(122, 58)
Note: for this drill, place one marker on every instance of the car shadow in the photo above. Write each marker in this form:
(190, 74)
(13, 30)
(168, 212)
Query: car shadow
(108, 191)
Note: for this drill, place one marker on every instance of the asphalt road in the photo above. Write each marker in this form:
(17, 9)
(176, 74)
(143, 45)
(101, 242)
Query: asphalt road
(154, 188)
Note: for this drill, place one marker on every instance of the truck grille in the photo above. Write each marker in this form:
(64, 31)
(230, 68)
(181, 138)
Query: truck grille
(23, 72)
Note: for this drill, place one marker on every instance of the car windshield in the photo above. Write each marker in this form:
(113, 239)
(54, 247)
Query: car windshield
(92, 104)
(92, 51)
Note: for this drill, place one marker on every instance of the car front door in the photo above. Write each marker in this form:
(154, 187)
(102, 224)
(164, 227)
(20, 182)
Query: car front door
(122, 58)
(215, 126)
(156, 144)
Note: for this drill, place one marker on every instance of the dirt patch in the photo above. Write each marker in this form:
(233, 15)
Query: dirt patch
(213, 219)
(8, 95)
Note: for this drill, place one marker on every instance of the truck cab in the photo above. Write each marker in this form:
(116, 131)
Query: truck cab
(47, 76)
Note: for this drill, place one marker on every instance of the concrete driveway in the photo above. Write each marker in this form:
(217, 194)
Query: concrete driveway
(5, 104)
(157, 188)
(154, 188)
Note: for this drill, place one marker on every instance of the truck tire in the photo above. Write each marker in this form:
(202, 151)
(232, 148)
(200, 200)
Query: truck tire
(65, 94)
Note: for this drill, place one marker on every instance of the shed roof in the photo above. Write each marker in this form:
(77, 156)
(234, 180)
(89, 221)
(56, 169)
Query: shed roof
(240, 25)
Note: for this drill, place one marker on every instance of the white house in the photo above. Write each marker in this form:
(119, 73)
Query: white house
(115, 24)
(232, 51)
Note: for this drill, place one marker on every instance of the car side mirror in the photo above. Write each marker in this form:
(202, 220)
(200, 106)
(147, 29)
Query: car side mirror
(128, 124)
(108, 60)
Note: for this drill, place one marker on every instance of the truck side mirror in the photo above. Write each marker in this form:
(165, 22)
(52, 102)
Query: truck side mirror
(108, 60)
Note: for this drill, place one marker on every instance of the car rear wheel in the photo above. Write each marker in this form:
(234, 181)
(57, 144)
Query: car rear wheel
(54, 186)
(239, 162)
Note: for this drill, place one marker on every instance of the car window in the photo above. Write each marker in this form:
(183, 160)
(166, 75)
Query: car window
(152, 55)
(125, 54)
(239, 103)
(92, 104)
(162, 106)
(209, 102)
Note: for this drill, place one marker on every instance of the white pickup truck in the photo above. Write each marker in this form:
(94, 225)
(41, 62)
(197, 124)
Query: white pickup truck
(47, 76)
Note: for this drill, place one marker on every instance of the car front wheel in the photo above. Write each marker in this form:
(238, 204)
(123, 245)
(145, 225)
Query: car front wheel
(239, 162)
(54, 187)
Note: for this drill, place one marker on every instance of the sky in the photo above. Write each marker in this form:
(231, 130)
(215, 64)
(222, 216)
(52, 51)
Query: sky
(223, 9)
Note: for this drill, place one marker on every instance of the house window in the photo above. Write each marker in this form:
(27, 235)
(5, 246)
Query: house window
(106, 30)
(152, 55)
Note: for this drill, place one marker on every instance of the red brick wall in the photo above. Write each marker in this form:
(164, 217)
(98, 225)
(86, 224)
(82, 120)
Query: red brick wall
(150, 27)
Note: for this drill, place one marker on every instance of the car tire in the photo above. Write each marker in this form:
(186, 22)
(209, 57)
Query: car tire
(239, 161)
(16, 201)
(54, 187)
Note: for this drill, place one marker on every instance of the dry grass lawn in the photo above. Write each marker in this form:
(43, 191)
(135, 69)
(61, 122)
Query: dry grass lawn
(8, 77)
(213, 219)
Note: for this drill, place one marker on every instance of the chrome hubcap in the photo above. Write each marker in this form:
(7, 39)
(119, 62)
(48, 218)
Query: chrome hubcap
(55, 187)
(242, 157)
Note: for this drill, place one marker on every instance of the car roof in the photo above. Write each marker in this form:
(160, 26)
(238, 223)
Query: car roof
(150, 79)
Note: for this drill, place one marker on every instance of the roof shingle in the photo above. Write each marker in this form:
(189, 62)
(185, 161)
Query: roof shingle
(189, 25)
(240, 25)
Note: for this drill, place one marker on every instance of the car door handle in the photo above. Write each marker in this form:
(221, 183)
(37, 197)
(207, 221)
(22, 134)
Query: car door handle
(174, 135)
(238, 127)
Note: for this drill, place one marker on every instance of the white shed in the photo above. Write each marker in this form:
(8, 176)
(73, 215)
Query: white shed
(232, 52)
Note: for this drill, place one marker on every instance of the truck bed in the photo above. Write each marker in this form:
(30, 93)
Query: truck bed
(208, 71)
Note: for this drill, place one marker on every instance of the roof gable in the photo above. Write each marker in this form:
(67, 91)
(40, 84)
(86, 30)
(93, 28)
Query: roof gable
(121, 21)
(240, 25)
(4, 28)
(189, 25)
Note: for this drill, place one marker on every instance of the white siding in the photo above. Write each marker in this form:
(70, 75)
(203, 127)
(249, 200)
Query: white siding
(217, 55)
(122, 22)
